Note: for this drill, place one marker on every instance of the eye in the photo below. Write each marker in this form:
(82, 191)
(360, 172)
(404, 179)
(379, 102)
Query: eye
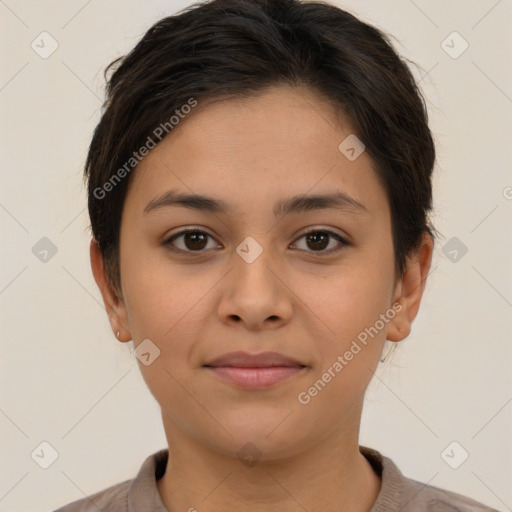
(318, 240)
(194, 240)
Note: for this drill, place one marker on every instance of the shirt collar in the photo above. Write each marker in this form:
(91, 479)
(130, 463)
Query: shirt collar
(143, 492)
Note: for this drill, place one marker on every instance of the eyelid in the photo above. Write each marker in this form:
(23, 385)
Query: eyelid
(314, 229)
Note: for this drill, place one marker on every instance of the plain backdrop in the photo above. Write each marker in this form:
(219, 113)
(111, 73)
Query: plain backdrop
(66, 381)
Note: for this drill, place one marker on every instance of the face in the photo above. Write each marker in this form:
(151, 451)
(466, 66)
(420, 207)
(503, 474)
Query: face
(250, 278)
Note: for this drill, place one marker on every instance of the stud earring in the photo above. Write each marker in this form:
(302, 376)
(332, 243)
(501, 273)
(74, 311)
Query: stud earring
(118, 333)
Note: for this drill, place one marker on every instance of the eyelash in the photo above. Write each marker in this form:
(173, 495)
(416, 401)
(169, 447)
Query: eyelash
(344, 243)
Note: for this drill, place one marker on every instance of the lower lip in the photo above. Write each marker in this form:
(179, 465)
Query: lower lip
(255, 378)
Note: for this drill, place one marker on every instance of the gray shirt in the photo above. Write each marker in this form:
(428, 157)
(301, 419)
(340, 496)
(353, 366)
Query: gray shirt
(397, 492)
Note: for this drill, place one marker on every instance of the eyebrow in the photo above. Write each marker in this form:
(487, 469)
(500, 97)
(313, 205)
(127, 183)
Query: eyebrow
(296, 204)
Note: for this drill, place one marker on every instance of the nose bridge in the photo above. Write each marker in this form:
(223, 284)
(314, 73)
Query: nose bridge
(253, 259)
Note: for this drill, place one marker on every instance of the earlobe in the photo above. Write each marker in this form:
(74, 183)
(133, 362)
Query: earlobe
(114, 306)
(409, 290)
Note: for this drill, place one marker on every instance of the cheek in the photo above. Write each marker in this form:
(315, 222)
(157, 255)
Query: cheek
(351, 300)
(350, 346)
(167, 308)
(158, 294)
(350, 306)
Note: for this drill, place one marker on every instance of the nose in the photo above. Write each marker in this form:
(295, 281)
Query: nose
(255, 293)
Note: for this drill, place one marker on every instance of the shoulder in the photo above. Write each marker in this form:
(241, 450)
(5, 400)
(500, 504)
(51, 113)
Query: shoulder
(419, 496)
(407, 495)
(113, 499)
(139, 493)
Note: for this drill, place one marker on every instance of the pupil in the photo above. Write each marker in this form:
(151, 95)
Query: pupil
(315, 239)
(198, 240)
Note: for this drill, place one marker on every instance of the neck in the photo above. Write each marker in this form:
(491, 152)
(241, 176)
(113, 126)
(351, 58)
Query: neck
(330, 476)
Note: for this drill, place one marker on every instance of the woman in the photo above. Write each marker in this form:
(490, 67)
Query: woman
(259, 191)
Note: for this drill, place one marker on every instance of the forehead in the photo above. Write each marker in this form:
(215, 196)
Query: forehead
(282, 142)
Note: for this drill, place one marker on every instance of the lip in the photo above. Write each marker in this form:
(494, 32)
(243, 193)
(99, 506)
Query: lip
(254, 371)
(255, 378)
(262, 360)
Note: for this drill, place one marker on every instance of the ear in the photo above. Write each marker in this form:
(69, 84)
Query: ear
(114, 306)
(409, 290)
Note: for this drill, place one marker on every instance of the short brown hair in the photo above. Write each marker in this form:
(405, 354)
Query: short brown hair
(235, 48)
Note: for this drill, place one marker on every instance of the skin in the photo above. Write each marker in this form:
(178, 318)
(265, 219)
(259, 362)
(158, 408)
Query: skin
(292, 299)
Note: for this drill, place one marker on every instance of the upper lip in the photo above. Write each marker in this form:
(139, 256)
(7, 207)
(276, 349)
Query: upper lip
(246, 360)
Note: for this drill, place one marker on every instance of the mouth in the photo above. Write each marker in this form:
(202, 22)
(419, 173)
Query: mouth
(254, 371)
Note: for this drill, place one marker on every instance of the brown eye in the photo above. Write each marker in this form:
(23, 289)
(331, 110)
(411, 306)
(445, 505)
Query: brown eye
(192, 240)
(318, 240)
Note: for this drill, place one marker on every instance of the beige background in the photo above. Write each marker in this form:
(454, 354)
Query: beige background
(64, 378)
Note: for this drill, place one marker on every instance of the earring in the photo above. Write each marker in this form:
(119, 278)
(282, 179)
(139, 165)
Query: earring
(118, 333)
